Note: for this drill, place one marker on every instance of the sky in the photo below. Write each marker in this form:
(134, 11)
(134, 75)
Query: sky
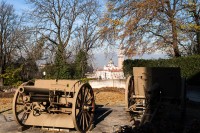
(100, 58)
(19, 5)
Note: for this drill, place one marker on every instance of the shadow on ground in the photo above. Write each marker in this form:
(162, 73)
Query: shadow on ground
(101, 113)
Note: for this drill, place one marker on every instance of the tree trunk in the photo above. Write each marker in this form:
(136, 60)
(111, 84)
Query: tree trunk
(1, 63)
(1, 67)
(1, 81)
(175, 39)
(198, 42)
(60, 60)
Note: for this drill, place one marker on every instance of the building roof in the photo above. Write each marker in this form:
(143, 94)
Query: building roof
(111, 70)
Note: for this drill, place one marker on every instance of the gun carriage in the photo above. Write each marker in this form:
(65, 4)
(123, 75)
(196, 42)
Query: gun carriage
(55, 103)
(150, 88)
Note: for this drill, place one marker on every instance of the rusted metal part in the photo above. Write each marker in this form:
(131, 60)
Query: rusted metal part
(55, 103)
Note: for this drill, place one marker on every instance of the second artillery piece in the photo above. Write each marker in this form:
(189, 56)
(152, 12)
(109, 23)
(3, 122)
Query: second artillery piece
(154, 89)
(55, 104)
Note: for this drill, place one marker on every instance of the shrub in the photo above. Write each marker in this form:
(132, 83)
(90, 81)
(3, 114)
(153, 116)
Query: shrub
(190, 66)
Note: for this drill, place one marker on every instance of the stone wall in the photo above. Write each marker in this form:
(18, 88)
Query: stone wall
(119, 83)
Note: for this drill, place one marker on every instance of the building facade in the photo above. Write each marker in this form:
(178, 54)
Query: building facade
(110, 71)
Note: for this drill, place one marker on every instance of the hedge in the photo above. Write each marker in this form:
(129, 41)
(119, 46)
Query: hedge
(190, 66)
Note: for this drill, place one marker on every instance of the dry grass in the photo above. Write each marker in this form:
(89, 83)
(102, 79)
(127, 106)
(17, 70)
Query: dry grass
(109, 96)
(5, 104)
(6, 99)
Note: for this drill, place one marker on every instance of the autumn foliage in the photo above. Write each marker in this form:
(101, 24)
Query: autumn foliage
(152, 25)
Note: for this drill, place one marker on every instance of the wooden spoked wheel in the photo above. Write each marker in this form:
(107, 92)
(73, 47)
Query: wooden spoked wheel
(129, 92)
(83, 108)
(19, 111)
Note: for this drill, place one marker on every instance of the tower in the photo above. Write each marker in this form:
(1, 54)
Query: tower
(121, 56)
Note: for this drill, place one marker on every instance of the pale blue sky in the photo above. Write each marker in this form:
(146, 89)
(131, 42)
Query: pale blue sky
(19, 5)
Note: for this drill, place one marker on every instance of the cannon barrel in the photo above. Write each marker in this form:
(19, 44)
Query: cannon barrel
(39, 98)
(29, 89)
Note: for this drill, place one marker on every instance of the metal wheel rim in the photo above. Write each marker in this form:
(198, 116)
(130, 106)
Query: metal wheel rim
(19, 113)
(129, 91)
(83, 117)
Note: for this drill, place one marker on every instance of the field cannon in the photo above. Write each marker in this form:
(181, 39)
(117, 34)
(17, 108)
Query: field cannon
(150, 88)
(55, 104)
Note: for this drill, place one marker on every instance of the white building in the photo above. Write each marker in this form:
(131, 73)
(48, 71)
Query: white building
(121, 57)
(110, 71)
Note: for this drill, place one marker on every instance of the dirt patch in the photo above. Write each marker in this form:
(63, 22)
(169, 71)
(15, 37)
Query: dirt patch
(6, 99)
(109, 96)
(5, 105)
(6, 94)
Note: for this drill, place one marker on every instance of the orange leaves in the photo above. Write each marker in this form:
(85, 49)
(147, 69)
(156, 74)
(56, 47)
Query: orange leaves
(131, 52)
(190, 27)
(108, 21)
(109, 27)
(116, 22)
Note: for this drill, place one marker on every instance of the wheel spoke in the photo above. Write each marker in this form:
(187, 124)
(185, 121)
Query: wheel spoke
(78, 102)
(81, 96)
(79, 113)
(88, 115)
(91, 97)
(19, 103)
(24, 115)
(19, 112)
(83, 121)
(86, 94)
(86, 120)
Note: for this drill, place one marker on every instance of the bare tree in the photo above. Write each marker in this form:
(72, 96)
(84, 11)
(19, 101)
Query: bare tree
(87, 34)
(10, 35)
(56, 19)
(61, 22)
